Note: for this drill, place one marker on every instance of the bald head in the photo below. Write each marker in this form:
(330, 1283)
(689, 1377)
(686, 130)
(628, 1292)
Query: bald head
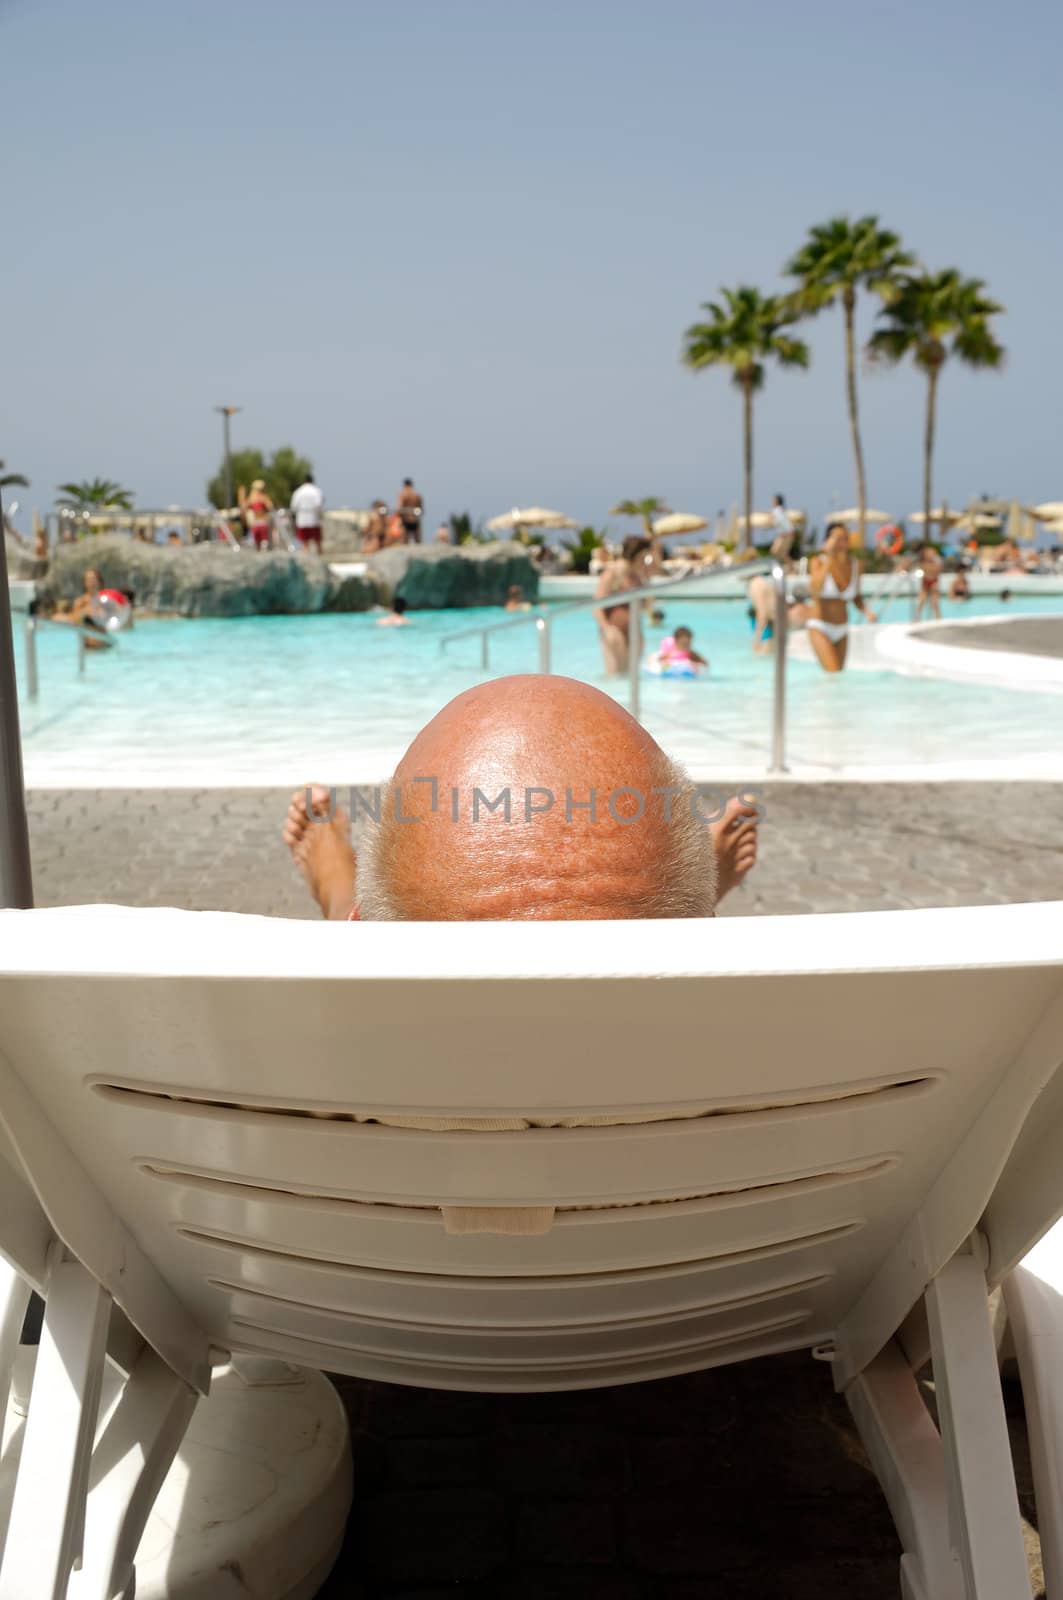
(536, 798)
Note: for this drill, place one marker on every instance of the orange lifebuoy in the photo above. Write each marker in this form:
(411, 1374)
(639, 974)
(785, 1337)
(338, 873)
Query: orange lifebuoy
(890, 539)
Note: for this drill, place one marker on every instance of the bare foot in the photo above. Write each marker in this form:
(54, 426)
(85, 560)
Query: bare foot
(322, 851)
(735, 838)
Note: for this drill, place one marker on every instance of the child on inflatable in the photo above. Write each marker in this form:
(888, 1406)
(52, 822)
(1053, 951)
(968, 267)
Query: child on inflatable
(676, 657)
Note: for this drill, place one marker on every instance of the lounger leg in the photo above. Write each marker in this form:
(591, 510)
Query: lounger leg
(1033, 1294)
(14, 1298)
(985, 1525)
(909, 1461)
(133, 1454)
(47, 1513)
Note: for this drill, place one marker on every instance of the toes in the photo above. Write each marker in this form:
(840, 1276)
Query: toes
(734, 813)
(731, 810)
(320, 799)
(297, 820)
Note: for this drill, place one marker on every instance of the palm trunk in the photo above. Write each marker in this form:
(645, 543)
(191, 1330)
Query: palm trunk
(747, 448)
(928, 447)
(849, 304)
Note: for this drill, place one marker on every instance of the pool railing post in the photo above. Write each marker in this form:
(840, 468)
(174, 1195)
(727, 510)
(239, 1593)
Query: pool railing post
(81, 653)
(542, 628)
(29, 640)
(778, 720)
(16, 877)
(634, 660)
(483, 650)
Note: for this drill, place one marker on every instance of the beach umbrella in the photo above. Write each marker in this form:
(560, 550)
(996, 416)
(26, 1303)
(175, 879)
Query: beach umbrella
(1050, 511)
(677, 522)
(1020, 524)
(852, 514)
(759, 519)
(971, 521)
(530, 517)
(939, 514)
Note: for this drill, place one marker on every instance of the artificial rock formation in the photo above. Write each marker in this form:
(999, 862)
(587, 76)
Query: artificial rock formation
(215, 581)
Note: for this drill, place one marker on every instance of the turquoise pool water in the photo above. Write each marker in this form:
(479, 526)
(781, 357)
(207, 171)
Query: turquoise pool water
(279, 699)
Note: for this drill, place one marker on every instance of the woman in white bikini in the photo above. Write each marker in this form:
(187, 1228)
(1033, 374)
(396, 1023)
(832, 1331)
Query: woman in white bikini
(835, 584)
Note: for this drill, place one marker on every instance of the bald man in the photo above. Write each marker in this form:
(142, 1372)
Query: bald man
(533, 798)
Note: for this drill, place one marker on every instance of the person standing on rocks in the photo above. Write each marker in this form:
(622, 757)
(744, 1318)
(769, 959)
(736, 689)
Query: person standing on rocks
(410, 508)
(256, 509)
(376, 528)
(306, 507)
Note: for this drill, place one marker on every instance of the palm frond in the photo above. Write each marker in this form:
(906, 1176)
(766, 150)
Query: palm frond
(841, 255)
(933, 316)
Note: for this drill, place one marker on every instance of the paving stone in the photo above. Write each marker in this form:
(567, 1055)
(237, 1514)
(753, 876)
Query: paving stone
(680, 1534)
(429, 1462)
(560, 1461)
(435, 1535)
(396, 1411)
(682, 1462)
(542, 1584)
(566, 1533)
(696, 1403)
(822, 1580)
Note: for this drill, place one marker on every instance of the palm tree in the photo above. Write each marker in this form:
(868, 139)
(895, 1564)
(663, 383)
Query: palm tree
(647, 509)
(743, 333)
(935, 316)
(582, 548)
(12, 480)
(837, 259)
(97, 493)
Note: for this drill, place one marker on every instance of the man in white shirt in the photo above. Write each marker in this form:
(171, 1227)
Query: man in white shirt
(306, 505)
(780, 536)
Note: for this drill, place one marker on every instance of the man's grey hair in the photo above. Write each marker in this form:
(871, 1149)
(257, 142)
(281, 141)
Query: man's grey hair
(686, 887)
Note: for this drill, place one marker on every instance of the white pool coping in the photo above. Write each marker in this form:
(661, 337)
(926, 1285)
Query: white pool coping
(732, 585)
(918, 654)
(1034, 769)
(912, 650)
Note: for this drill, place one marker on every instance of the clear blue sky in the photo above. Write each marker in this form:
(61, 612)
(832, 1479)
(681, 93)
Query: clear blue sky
(460, 239)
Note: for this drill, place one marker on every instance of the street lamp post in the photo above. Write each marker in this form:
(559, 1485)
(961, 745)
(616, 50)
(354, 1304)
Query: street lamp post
(226, 413)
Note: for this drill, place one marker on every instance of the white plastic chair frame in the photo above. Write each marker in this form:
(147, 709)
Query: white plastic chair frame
(79, 1508)
(199, 1164)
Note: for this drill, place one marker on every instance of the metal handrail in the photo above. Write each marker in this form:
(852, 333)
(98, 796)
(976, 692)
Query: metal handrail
(778, 709)
(29, 637)
(624, 597)
(907, 580)
(544, 621)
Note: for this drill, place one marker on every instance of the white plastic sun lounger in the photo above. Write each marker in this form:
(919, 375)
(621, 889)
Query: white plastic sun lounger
(833, 1133)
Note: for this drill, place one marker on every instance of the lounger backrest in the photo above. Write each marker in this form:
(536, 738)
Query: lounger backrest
(827, 1101)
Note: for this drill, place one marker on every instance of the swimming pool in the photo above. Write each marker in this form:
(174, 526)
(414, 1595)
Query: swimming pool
(265, 700)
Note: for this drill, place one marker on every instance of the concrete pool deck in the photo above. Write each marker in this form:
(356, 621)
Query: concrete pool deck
(1031, 636)
(746, 1482)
